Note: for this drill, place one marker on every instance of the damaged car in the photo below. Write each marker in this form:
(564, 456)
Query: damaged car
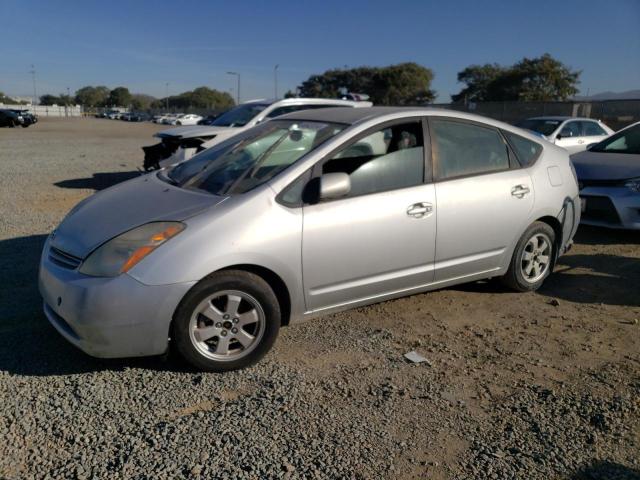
(179, 144)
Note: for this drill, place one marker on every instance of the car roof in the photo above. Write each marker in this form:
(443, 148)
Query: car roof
(562, 118)
(308, 101)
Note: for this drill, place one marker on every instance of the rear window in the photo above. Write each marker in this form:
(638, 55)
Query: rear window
(526, 150)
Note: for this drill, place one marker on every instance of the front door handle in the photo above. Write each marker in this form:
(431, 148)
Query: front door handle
(580, 142)
(419, 210)
(520, 191)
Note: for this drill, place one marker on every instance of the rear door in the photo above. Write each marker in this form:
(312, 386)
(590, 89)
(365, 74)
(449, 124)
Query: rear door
(484, 198)
(380, 238)
(592, 132)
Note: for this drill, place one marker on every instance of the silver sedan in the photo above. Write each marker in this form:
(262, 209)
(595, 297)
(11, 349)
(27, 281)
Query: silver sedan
(311, 213)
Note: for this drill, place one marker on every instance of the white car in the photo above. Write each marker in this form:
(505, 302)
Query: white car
(180, 144)
(188, 119)
(159, 118)
(170, 118)
(574, 134)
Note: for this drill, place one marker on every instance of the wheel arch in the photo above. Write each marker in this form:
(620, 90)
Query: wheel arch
(554, 223)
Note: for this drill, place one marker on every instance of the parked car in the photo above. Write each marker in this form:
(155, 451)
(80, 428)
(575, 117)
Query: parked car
(609, 180)
(9, 118)
(309, 213)
(179, 144)
(126, 117)
(188, 119)
(159, 118)
(28, 118)
(208, 120)
(140, 117)
(170, 118)
(574, 134)
(114, 115)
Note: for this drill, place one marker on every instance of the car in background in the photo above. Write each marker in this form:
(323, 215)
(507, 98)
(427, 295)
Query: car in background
(609, 180)
(9, 118)
(126, 117)
(574, 134)
(188, 119)
(28, 118)
(140, 117)
(114, 115)
(180, 144)
(307, 214)
(208, 120)
(170, 118)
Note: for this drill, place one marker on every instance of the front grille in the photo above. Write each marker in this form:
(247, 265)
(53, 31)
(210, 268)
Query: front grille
(63, 259)
(600, 209)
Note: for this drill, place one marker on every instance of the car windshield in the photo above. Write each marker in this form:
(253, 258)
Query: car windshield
(252, 157)
(626, 141)
(240, 115)
(540, 125)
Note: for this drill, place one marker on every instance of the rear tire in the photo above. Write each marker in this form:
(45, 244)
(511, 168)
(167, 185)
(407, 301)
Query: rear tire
(532, 259)
(228, 321)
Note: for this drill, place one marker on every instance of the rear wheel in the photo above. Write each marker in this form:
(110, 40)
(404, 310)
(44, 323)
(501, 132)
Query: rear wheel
(228, 321)
(532, 259)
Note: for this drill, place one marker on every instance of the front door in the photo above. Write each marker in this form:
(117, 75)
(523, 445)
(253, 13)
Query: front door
(380, 238)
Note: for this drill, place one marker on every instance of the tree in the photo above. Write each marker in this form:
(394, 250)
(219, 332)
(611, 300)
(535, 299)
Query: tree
(140, 101)
(401, 84)
(531, 79)
(50, 100)
(9, 100)
(119, 97)
(201, 97)
(92, 96)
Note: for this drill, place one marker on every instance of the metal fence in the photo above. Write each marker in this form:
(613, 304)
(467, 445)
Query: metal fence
(48, 110)
(615, 113)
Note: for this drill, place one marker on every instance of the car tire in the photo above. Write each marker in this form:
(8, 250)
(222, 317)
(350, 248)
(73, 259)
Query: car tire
(178, 123)
(533, 258)
(228, 321)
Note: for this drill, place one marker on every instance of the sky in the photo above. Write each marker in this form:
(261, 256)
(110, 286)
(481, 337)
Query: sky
(144, 45)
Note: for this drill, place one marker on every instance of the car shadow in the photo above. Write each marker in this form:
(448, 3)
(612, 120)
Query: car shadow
(99, 181)
(580, 278)
(601, 470)
(29, 345)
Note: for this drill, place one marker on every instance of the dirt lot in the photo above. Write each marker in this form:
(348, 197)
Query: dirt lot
(542, 385)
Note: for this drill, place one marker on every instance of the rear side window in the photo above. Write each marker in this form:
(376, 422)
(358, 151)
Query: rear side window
(461, 149)
(526, 150)
(592, 129)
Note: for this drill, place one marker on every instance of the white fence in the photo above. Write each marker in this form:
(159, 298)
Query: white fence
(49, 110)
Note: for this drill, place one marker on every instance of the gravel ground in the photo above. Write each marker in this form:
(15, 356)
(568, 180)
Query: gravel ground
(528, 386)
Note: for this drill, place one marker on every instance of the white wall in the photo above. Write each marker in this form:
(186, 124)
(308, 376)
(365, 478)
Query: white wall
(48, 111)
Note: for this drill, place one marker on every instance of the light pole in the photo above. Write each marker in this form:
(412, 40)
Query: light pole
(33, 74)
(166, 96)
(275, 81)
(238, 90)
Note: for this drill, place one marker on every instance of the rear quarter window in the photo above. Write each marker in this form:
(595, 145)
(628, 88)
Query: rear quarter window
(526, 150)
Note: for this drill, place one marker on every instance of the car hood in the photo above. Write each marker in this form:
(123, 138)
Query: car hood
(606, 166)
(195, 131)
(125, 206)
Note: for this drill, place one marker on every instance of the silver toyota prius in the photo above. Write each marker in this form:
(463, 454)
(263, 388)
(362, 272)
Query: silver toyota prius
(314, 212)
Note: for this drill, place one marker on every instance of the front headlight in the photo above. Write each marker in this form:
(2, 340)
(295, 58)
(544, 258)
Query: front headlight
(121, 253)
(633, 184)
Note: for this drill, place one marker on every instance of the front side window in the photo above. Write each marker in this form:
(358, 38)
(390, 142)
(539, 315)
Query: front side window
(240, 115)
(253, 157)
(592, 129)
(626, 141)
(388, 159)
(461, 149)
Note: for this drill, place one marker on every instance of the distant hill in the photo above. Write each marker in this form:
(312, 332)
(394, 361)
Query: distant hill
(628, 95)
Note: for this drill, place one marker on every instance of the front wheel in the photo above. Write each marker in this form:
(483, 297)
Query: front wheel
(532, 259)
(228, 321)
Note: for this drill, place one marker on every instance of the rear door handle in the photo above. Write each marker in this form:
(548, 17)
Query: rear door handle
(419, 210)
(520, 191)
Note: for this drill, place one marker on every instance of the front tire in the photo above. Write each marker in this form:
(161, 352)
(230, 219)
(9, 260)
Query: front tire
(228, 321)
(532, 259)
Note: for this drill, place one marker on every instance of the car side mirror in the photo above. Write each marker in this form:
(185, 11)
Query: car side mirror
(334, 185)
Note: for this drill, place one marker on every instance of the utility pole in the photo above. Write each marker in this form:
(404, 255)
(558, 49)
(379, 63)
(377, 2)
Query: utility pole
(238, 90)
(166, 96)
(35, 93)
(275, 81)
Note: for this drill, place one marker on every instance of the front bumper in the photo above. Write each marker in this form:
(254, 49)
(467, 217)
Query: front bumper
(108, 317)
(612, 207)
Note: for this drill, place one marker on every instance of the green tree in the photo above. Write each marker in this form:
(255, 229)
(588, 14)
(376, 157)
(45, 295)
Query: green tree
(92, 96)
(401, 84)
(531, 79)
(9, 100)
(48, 99)
(201, 97)
(140, 101)
(119, 97)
